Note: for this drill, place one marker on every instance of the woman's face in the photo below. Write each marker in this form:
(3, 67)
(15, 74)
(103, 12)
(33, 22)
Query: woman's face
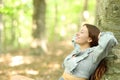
(82, 37)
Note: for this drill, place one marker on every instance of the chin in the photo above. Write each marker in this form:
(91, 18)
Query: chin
(77, 43)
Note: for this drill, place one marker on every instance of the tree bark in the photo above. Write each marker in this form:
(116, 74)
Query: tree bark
(85, 10)
(108, 19)
(39, 11)
(1, 26)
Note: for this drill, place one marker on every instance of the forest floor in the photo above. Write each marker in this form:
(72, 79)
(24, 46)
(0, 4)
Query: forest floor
(39, 67)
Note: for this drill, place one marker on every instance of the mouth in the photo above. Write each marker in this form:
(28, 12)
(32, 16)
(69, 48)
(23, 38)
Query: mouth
(77, 37)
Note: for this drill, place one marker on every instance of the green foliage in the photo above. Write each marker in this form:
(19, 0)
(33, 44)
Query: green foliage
(91, 6)
(62, 19)
(17, 23)
(6, 10)
(60, 14)
(65, 16)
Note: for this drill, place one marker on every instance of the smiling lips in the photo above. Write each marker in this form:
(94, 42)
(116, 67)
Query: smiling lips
(77, 37)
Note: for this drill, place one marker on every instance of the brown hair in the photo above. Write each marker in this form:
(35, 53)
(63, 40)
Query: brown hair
(100, 70)
(93, 32)
(102, 67)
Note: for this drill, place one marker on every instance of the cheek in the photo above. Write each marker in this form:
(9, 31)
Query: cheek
(82, 39)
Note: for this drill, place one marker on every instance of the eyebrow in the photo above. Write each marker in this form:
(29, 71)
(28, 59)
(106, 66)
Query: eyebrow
(82, 30)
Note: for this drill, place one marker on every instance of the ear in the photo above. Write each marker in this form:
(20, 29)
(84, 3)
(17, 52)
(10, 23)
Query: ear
(89, 39)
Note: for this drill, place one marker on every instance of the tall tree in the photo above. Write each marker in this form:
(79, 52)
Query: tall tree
(85, 11)
(1, 26)
(39, 10)
(108, 19)
(39, 18)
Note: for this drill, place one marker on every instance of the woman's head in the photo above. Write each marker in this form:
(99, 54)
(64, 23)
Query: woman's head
(88, 34)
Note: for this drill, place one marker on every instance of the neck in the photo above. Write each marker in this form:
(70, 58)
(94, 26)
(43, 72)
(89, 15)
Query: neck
(84, 47)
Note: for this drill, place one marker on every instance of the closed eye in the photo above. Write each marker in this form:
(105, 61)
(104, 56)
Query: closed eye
(81, 32)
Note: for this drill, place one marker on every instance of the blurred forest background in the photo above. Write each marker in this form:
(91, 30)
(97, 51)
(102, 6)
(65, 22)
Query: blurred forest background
(35, 35)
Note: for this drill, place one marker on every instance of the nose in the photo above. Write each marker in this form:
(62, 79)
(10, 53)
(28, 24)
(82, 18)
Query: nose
(77, 34)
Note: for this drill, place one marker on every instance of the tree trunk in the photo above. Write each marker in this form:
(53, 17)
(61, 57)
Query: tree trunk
(39, 18)
(108, 19)
(85, 11)
(1, 27)
(39, 11)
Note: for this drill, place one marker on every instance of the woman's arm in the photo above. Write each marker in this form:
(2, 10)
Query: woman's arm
(106, 42)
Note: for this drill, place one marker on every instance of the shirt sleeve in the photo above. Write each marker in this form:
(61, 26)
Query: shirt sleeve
(106, 42)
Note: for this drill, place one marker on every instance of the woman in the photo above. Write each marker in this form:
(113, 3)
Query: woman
(87, 60)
